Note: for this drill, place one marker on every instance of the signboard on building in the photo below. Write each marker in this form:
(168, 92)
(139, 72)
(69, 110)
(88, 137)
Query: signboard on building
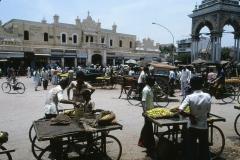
(111, 53)
(40, 49)
(96, 51)
(56, 50)
(82, 55)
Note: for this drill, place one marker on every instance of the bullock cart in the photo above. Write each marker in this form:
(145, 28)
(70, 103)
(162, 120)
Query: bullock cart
(171, 131)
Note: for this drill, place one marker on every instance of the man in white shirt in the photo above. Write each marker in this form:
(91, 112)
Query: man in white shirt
(79, 68)
(142, 79)
(197, 127)
(54, 96)
(185, 78)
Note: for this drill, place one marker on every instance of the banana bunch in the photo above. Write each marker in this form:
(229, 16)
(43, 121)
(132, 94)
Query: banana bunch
(105, 117)
(69, 112)
(158, 112)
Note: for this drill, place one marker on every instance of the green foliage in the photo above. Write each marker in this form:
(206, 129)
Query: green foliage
(225, 53)
(166, 49)
(184, 57)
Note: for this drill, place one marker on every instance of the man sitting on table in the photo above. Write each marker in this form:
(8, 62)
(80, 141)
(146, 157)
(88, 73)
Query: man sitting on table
(54, 96)
(197, 127)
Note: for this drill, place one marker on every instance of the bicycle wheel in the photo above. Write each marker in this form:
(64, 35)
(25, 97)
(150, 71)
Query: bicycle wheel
(161, 99)
(20, 88)
(70, 151)
(31, 133)
(96, 149)
(166, 149)
(111, 85)
(238, 99)
(216, 141)
(133, 97)
(38, 146)
(6, 87)
(6, 156)
(228, 95)
(237, 125)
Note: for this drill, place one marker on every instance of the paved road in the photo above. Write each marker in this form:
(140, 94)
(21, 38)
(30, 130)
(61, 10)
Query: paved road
(19, 110)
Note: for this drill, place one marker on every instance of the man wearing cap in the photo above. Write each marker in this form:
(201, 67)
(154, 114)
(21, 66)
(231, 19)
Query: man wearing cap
(185, 78)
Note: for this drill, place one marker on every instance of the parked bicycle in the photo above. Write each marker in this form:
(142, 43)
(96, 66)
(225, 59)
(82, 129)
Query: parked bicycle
(18, 86)
(160, 98)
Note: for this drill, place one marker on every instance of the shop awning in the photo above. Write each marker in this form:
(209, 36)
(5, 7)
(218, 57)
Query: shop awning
(69, 56)
(11, 54)
(42, 55)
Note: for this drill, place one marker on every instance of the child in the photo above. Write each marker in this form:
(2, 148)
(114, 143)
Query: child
(88, 105)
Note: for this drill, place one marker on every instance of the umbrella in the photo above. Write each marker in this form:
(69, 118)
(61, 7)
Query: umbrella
(212, 62)
(198, 61)
(132, 61)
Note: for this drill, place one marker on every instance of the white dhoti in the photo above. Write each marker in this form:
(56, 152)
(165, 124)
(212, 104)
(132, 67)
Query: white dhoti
(183, 85)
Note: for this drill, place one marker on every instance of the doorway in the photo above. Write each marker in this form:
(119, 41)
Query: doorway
(97, 59)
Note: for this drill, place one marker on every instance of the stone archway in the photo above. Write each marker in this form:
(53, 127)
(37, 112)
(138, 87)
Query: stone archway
(215, 15)
(97, 59)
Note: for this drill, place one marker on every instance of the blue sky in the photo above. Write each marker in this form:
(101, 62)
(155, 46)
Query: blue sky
(131, 16)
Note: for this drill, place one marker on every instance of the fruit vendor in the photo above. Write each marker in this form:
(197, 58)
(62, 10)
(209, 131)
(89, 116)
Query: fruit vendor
(197, 127)
(146, 139)
(54, 96)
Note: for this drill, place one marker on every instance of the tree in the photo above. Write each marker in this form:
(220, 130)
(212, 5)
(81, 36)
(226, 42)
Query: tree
(225, 54)
(184, 57)
(166, 49)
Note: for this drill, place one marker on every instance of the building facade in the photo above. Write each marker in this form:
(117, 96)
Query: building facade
(37, 44)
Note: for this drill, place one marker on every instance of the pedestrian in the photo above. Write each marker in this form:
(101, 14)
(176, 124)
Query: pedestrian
(177, 76)
(54, 96)
(28, 72)
(197, 126)
(146, 139)
(78, 86)
(71, 74)
(54, 77)
(12, 75)
(185, 77)
(193, 73)
(36, 78)
(79, 68)
(45, 79)
(142, 79)
(171, 81)
(211, 76)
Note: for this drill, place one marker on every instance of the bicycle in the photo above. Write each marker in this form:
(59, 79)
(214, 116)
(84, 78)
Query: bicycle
(160, 98)
(226, 93)
(5, 153)
(237, 122)
(18, 86)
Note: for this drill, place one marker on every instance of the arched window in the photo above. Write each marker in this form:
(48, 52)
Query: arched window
(64, 38)
(130, 44)
(111, 42)
(26, 35)
(102, 39)
(74, 38)
(45, 37)
(120, 43)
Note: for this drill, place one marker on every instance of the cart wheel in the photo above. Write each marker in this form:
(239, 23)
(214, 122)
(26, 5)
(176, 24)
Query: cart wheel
(216, 141)
(20, 88)
(237, 125)
(163, 83)
(166, 149)
(96, 149)
(38, 146)
(6, 156)
(70, 151)
(228, 95)
(161, 99)
(6, 87)
(133, 96)
(31, 133)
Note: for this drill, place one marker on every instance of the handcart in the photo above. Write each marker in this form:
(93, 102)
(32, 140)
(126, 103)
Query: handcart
(104, 82)
(172, 138)
(67, 141)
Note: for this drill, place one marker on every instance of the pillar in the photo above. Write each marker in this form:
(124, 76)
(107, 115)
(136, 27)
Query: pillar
(75, 62)
(104, 57)
(196, 53)
(235, 50)
(220, 48)
(238, 51)
(89, 59)
(212, 46)
(62, 62)
(114, 62)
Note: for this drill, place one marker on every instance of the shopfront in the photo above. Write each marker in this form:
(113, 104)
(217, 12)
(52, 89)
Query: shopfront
(82, 58)
(41, 60)
(56, 59)
(69, 60)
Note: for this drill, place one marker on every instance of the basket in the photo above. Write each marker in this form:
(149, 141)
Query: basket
(3, 137)
(108, 121)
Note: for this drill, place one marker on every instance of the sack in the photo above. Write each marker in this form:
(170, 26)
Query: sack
(174, 108)
(111, 119)
(3, 137)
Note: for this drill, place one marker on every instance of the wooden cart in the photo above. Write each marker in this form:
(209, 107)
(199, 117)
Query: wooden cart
(66, 141)
(173, 129)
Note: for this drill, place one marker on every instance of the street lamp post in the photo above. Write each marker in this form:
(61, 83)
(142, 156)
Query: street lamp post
(172, 37)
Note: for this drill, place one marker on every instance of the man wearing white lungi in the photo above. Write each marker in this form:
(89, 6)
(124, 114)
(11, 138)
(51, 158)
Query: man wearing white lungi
(185, 78)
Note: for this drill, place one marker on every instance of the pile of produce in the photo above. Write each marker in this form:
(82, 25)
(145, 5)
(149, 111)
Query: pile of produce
(158, 112)
(105, 117)
(69, 112)
(232, 80)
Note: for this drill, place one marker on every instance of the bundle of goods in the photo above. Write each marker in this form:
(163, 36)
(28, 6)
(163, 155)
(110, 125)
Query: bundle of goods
(106, 118)
(161, 113)
(175, 108)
